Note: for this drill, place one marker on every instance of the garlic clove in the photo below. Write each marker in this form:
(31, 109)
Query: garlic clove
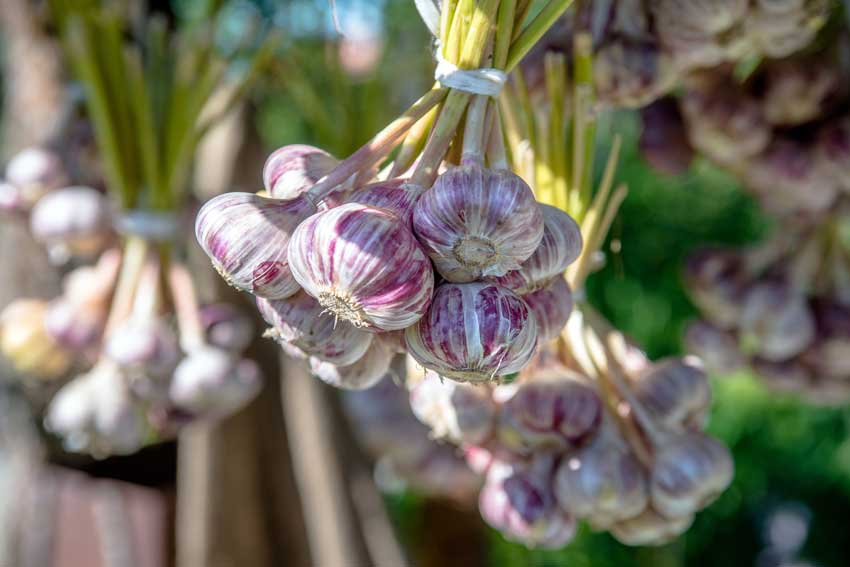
(247, 237)
(362, 374)
(602, 482)
(303, 323)
(560, 247)
(460, 413)
(364, 266)
(688, 474)
(73, 221)
(291, 170)
(551, 306)
(477, 222)
(474, 332)
(554, 413)
(212, 383)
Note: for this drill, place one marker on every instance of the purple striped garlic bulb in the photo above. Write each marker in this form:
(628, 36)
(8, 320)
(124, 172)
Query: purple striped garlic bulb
(362, 374)
(650, 528)
(560, 247)
(247, 236)
(74, 221)
(461, 413)
(211, 382)
(396, 195)
(226, 327)
(689, 472)
(300, 321)
(554, 413)
(474, 332)
(675, 392)
(477, 222)
(517, 499)
(291, 170)
(74, 326)
(364, 266)
(602, 482)
(551, 306)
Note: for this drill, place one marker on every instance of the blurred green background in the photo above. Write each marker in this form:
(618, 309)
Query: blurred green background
(789, 456)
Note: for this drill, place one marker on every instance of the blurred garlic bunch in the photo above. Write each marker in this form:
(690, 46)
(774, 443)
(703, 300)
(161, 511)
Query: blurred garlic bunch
(781, 307)
(30, 174)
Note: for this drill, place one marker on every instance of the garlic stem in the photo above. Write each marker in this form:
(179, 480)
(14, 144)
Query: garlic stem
(413, 143)
(496, 154)
(378, 147)
(135, 252)
(186, 308)
(473, 134)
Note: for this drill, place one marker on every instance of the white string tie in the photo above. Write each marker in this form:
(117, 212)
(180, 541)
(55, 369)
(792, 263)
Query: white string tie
(150, 225)
(487, 81)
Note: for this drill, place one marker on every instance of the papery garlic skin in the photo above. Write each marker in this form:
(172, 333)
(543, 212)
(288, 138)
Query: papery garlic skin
(560, 247)
(291, 170)
(211, 382)
(396, 195)
(26, 344)
(650, 528)
(362, 374)
(602, 482)
(474, 332)
(247, 238)
(73, 221)
(461, 413)
(364, 266)
(302, 322)
(688, 474)
(477, 222)
(551, 306)
(556, 413)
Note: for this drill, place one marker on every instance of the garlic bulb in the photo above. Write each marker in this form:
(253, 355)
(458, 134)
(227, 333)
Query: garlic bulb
(396, 195)
(474, 332)
(226, 327)
(362, 374)
(833, 150)
(74, 327)
(560, 247)
(211, 382)
(781, 28)
(517, 500)
(717, 348)
(247, 237)
(12, 199)
(461, 413)
(663, 140)
(144, 347)
(477, 222)
(549, 414)
(688, 474)
(25, 342)
(706, 17)
(799, 90)
(35, 171)
(74, 221)
(776, 322)
(650, 528)
(291, 170)
(602, 482)
(96, 413)
(301, 321)
(632, 72)
(364, 266)
(551, 306)
(675, 392)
